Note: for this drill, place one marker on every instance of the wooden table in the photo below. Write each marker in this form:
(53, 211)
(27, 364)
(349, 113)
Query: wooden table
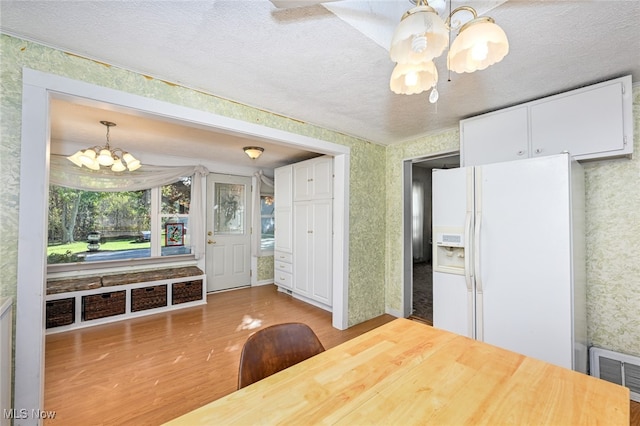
(405, 372)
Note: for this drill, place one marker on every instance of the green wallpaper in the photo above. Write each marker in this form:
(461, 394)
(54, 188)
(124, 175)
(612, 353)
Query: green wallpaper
(265, 268)
(613, 196)
(613, 248)
(366, 295)
(612, 240)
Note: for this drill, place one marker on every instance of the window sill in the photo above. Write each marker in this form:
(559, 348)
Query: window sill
(118, 264)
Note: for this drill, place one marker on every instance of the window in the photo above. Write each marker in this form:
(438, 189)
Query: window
(267, 207)
(86, 226)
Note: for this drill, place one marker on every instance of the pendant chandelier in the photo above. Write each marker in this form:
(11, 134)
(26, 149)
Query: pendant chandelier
(423, 36)
(97, 156)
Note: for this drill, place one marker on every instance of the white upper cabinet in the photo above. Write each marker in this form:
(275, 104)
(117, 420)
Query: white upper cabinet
(313, 179)
(590, 123)
(585, 124)
(494, 138)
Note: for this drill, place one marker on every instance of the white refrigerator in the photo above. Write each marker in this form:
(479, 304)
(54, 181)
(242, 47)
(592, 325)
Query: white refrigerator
(508, 257)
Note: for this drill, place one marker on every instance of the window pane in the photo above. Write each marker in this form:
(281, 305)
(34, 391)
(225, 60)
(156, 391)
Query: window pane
(174, 218)
(229, 208)
(176, 197)
(267, 207)
(89, 226)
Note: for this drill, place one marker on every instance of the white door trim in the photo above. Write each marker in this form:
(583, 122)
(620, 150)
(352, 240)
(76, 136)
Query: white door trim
(38, 88)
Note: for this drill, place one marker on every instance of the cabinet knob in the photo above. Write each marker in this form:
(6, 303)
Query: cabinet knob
(310, 180)
(538, 150)
(309, 232)
(521, 152)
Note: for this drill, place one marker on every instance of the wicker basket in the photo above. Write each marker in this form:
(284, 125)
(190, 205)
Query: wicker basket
(61, 312)
(148, 297)
(187, 291)
(103, 305)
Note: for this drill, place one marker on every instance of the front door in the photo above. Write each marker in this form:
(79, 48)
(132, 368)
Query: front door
(228, 232)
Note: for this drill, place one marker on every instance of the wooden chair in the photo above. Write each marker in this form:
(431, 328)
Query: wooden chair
(275, 348)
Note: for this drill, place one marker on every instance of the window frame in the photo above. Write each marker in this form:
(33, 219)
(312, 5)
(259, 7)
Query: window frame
(155, 257)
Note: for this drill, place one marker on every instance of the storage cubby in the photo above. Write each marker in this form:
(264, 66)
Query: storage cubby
(84, 301)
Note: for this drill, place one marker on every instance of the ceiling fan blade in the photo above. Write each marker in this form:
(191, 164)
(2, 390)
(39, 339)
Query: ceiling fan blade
(288, 4)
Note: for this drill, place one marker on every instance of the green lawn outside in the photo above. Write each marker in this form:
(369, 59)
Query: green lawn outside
(81, 246)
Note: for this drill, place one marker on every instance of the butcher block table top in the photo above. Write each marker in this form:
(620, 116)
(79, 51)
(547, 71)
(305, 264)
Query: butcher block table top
(405, 373)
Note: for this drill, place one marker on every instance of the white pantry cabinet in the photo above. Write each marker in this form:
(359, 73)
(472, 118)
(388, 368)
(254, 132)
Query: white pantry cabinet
(592, 122)
(304, 230)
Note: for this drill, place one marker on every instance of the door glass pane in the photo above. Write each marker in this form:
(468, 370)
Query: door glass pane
(229, 208)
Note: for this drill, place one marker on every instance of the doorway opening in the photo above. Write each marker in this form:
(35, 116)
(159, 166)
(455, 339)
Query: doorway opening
(38, 91)
(418, 233)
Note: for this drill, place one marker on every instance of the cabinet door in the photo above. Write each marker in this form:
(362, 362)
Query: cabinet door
(587, 122)
(322, 241)
(283, 179)
(303, 245)
(322, 178)
(283, 229)
(494, 137)
(313, 179)
(302, 180)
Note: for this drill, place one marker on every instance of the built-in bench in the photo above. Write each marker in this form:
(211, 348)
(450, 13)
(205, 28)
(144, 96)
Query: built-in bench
(84, 301)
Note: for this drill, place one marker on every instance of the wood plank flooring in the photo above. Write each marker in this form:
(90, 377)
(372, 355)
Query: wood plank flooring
(146, 371)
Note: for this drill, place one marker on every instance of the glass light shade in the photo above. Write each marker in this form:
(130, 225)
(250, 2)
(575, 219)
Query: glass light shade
(253, 151)
(132, 162)
(127, 157)
(118, 166)
(75, 158)
(93, 166)
(88, 157)
(105, 158)
(417, 22)
(479, 44)
(409, 79)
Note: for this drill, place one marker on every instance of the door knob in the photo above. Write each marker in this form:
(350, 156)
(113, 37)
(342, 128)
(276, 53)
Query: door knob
(209, 233)
(211, 242)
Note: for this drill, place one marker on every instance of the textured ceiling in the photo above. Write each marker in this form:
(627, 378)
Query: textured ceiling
(308, 64)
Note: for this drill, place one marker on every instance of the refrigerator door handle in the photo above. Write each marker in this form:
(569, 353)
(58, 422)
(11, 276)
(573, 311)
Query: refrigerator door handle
(468, 274)
(478, 277)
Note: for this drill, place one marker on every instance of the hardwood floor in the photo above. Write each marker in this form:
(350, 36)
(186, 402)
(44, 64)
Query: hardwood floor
(635, 414)
(146, 371)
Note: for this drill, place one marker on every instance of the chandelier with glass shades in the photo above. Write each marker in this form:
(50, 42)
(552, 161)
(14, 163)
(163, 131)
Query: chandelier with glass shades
(423, 36)
(105, 156)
